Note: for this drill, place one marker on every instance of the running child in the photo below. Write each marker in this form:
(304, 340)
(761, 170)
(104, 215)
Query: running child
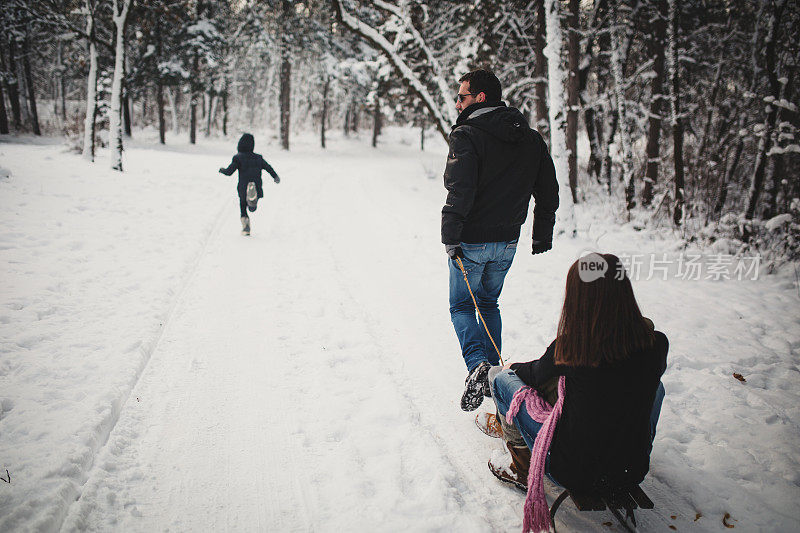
(249, 188)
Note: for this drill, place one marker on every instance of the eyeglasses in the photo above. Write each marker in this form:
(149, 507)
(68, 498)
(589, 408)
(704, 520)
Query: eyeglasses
(460, 97)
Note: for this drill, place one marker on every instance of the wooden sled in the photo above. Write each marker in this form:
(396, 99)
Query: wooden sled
(616, 500)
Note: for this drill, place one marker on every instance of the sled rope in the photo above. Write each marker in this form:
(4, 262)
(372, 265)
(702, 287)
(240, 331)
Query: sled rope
(474, 301)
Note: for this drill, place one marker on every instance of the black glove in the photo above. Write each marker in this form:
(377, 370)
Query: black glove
(276, 179)
(540, 247)
(453, 250)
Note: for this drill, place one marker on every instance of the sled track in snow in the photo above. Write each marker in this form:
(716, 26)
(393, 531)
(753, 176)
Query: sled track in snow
(462, 479)
(156, 341)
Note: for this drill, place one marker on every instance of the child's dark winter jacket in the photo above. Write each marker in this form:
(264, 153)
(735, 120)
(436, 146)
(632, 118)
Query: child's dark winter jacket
(249, 166)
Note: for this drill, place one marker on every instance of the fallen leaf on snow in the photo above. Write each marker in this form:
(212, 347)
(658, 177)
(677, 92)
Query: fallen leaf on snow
(725, 521)
(698, 516)
(739, 377)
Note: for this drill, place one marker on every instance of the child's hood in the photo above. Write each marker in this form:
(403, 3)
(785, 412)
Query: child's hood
(246, 143)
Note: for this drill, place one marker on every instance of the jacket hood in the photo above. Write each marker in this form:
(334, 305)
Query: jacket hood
(246, 143)
(497, 119)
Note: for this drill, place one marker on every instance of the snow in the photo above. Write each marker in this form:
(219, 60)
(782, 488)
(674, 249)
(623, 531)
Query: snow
(159, 371)
(778, 221)
(203, 27)
(790, 148)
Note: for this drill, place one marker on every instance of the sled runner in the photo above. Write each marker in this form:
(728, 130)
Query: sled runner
(252, 197)
(616, 500)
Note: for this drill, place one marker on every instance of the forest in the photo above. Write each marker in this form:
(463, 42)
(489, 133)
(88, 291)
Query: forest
(679, 115)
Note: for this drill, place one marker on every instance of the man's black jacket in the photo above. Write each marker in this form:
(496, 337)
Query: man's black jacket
(496, 162)
(249, 166)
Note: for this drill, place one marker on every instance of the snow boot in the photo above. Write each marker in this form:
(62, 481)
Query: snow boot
(252, 197)
(474, 387)
(487, 389)
(515, 473)
(489, 424)
(245, 225)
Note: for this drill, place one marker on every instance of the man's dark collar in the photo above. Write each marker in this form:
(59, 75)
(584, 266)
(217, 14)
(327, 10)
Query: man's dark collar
(474, 107)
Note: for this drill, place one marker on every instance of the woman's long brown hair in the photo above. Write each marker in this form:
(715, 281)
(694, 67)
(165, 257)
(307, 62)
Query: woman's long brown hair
(600, 322)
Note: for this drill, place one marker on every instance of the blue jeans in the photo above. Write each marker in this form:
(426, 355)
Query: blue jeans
(506, 383)
(487, 265)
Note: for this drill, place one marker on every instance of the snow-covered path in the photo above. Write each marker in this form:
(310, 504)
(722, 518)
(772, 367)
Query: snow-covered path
(307, 377)
(279, 396)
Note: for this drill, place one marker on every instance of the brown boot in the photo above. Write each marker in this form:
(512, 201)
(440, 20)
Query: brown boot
(515, 473)
(489, 424)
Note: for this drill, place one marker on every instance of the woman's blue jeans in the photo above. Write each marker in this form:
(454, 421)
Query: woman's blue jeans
(486, 265)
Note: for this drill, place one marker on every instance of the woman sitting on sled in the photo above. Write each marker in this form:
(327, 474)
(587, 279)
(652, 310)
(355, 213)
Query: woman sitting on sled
(606, 363)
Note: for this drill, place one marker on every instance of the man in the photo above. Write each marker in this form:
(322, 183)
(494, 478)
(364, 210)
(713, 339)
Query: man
(496, 162)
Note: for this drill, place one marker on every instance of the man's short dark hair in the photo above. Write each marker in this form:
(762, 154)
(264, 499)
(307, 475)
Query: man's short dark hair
(483, 81)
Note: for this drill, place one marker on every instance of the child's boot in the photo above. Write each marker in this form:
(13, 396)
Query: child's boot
(252, 196)
(245, 225)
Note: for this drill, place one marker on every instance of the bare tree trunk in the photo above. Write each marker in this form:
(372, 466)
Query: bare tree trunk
(3, 115)
(145, 92)
(765, 142)
(422, 136)
(572, 97)
(376, 121)
(173, 108)
(225, 107)
(558, 116)
(23, 97)
(540, 73)
(777, 169)
(115, 113)
(212, 104)
(755, 62)
(89, 123)
(677, 126)
(193, 118)
(285, 99)
(778, 165)
(605, 169)
(60, 81)
(13, 82)
(126, 113)
(26, 65)
(324, 117)
(656, 50)
(2, 85)
(617, 67)
(711, 104)
(162, 123)
(722, 190)
(193, 100)
(595, 148)
(593, 131)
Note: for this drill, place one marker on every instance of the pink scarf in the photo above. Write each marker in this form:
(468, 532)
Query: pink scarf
(537, 513)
